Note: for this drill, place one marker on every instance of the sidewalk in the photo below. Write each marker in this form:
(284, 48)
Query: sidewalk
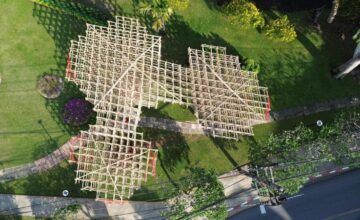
(237, 186)
(90, 209)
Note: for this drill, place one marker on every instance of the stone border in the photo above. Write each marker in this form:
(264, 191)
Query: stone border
(315, 108)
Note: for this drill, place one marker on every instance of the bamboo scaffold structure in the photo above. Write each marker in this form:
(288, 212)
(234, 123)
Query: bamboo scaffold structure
(119, 69)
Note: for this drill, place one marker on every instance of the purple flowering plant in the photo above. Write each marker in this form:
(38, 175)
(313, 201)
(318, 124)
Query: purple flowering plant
(77, 112)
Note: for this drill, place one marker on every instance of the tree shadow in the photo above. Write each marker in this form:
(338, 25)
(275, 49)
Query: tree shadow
(62, 28)
(179, 37)
(224, 145)
(290, 6)
(216, 4)
(48, 183)
(110, 8)
(173, 147)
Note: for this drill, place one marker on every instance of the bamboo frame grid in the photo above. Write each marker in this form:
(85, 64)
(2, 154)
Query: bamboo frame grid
(119, 69)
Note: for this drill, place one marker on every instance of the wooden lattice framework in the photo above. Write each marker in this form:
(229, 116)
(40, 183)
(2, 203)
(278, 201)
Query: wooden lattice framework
(227, 100)
(120, 70)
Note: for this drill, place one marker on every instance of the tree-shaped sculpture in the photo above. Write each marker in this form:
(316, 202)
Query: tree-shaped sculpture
(50, 86)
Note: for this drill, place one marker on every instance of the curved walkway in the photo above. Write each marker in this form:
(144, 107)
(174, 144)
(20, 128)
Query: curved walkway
(63, 152)
(40, 165)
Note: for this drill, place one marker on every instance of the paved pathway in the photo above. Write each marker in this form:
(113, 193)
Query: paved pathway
(40, 165)
(171, 125)
(315, 108)
(237, 189)
(42, 206)
(184, 127)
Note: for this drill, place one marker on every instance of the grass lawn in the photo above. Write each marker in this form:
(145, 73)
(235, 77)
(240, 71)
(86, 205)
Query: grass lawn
(176, 154)
(34, 41)
(296, 73)
(171, 111)
(49, 183)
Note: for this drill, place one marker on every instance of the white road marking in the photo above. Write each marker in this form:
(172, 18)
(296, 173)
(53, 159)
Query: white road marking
(292, 197)
(334, 171)
(345, 168)
(262, 209)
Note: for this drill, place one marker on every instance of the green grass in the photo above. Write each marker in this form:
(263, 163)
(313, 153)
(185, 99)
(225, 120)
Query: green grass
(33, 42)
(48, 183)
(179, 152)
(171, 111)
(296, 73)
(176, 154)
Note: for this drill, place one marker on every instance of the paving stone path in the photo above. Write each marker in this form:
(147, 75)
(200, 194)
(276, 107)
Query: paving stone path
(315, 108)
(63, 152)
(171, 125)
(40, 165)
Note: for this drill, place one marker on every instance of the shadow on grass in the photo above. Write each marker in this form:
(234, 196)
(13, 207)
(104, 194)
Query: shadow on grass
(62, 28)
(110, 8)
(179, 37)
(291, 6)
(173, 147)
(304, 73)
(224, 145)
(48, 183)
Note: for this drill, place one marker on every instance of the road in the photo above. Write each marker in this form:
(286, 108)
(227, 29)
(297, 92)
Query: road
(333, 199)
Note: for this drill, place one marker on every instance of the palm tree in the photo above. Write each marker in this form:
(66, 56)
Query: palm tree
(159, 11)
(334, 10)
(351, 64)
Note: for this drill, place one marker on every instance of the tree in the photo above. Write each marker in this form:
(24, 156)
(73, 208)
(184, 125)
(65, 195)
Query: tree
(179, 4)
(244, 13)
(344, 69)
(159, 11)
(281, 29)
(68, 213)
(349, 9)
(199, 194)
(334, 9)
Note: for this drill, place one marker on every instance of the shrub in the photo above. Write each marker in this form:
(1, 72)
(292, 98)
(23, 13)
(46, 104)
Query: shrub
(250, 65)
(50, 86)
(281, 29)
(77, 112)
(179, 4)
(349, 9)
(158, 10)
(244, 13)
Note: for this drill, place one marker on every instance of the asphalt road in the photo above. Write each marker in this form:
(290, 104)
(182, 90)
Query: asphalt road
(332, 199)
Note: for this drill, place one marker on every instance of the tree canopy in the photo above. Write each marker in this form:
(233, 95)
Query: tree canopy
(199, 194)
